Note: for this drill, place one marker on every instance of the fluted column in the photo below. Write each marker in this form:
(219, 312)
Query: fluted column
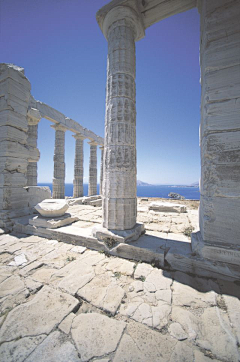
(101, 170)
(33, 117)
(92, 185)
(122, 27)
(78, 166)
(59, 162)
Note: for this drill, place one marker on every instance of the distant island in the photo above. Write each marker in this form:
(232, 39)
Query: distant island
(141, 183)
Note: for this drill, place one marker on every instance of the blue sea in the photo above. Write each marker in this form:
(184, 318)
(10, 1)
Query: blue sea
(145, 191)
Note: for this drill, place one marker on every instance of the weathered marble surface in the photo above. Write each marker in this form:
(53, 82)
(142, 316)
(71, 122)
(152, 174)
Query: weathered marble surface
(78, 166)
(121, 27)
(14, 152)
(92, 183)
(59, 162)
(220, 122)
(167, 207)
(130, 311)
(52, 208)
(33, 117)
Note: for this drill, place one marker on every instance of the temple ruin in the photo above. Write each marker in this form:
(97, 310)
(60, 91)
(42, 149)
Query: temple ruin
(215, 248)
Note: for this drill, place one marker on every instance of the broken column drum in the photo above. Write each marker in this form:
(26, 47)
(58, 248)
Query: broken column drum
(59, 164)
(121, 27)
(33, 117)
(78, 166)
(92, 185)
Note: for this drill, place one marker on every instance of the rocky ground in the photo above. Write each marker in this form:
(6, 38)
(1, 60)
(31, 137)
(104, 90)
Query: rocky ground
(61, 302)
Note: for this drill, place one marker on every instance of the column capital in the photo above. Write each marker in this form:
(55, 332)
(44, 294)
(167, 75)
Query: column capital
(33, 116)
(123, 13)
(79, 136)
(93, 143)
(59, 127)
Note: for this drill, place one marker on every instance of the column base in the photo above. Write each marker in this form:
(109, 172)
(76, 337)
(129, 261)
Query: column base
(215, 252)
(112, 237)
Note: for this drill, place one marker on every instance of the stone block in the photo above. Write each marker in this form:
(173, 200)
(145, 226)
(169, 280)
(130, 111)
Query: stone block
(13, 198)
(220, 220)
(13, 103)
(96, 203)
(11, 71)
(52, 208)
(37, 194)
(13, 164)
(225, 253)
(13, 149)
(13, 179)
(13, 119)
(12, 134)
(167, 207)
(19, 90)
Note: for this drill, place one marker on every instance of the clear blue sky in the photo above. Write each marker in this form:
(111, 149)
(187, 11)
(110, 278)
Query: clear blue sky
(64, 54)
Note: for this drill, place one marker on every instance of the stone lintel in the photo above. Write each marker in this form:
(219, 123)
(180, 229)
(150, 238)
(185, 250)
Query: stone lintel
(118, 236)
(229, 254)
(151, 11)
(33, 116)
(57, 117)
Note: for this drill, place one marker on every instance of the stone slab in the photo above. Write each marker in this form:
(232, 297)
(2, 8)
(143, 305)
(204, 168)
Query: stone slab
(56, 347)
(52, 223)
(19, 350)
(38, 316)
(96, 335)
(167, 207)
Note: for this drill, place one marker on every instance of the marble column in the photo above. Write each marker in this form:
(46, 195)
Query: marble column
(122, 26)
(59, 164)
(219, 219)
(92, 184)
(101, 170)
(78, 166)
(33, 117)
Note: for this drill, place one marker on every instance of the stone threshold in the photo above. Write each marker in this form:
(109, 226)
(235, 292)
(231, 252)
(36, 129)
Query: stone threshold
(168, 254)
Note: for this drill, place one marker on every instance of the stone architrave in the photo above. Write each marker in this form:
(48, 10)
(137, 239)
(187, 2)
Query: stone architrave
(78, 166)
(33, 117)
(59, 162)
(92, 185)
(101, 169)
(121, 26)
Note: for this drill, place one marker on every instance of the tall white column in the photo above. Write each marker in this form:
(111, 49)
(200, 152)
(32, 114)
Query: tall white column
(33, 117)
(59, 162)
(122, 27)
(92, 185)
(78, 166)
(101, 170)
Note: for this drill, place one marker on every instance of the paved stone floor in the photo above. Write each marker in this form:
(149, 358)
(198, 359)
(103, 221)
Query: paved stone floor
(61, 302)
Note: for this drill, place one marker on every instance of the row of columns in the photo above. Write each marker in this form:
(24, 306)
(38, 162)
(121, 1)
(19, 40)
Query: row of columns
(59, 160)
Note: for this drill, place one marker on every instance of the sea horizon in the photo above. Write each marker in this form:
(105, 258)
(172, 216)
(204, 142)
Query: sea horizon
(162, 191)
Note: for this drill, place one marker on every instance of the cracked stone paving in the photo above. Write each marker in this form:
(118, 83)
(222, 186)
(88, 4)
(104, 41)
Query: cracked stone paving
(61, 302)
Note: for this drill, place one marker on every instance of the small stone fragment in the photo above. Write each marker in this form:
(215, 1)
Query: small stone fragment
(177, 332)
